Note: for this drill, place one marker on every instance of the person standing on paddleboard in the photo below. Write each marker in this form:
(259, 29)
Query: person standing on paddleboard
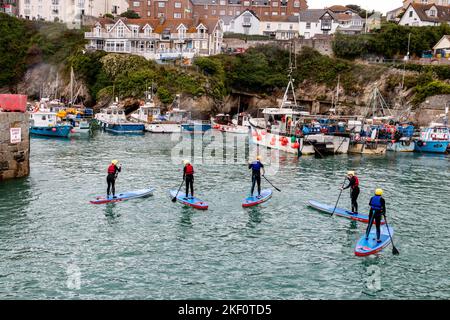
(377, 208)
(188, 174)
(354, 192)
(256, 167)
(113, 171)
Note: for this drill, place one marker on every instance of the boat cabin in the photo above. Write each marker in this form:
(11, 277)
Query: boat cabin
(178, 115)
(43, 119)
(438, 133)
(223, 119)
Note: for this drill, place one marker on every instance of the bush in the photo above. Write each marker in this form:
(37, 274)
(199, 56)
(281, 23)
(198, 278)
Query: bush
(130, 14)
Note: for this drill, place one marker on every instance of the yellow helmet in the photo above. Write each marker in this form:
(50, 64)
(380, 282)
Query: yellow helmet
(114, 162)
(351, 173)
(185, 161)
(379, 192)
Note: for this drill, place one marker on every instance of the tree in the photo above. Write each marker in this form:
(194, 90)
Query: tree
(130, 14)
(13, 50)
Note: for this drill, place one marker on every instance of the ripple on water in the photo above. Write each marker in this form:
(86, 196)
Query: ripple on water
(155, 249)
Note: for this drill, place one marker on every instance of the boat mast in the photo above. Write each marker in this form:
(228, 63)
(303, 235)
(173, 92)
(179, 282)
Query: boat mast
(71, 86)
(291, 80)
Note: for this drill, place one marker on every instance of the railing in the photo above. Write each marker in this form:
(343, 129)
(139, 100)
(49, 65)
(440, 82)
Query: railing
(113, 35)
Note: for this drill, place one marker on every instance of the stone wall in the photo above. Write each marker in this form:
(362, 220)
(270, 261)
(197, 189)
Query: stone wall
(323, 45)
(14, 158)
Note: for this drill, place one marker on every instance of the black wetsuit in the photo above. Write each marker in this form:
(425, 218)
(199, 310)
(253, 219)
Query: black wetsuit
(256, 167)
(188, 174)
(377, 208)
(111, 180)
(354, 192)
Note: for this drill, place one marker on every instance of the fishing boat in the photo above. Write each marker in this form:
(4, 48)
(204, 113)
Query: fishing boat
(170, 122)
(44, 123)
(113, 119)
(196, 126)
(224, 123)
(371, 138)
(433, 139)
(290, 128)
(402, 138)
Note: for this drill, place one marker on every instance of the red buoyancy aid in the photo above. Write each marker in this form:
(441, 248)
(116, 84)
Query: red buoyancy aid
(112, 169)
(356, 182)
(189, 169)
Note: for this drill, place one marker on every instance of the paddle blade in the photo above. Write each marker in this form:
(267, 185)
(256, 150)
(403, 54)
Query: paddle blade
(395, 251)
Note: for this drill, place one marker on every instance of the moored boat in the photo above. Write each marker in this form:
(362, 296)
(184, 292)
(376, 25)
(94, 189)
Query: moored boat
(113, 119)
(45, 124)
(433, 140)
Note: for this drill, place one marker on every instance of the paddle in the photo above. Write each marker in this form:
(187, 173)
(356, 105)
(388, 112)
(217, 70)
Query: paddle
(394, 249)
(174, 199)
(271, 184)
(339, 196)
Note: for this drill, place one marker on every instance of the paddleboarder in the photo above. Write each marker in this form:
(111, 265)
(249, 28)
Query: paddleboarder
(256, 167)
(377, 208)
(354, 191)
(113, 171)
(188, 176)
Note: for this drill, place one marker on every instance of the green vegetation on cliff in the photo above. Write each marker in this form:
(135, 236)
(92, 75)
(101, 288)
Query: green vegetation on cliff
(390, 41)
(261, 70)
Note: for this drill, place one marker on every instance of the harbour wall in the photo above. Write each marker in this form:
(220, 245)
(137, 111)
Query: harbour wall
(14, 145)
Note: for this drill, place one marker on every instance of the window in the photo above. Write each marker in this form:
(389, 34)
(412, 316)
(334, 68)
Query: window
(268, 26)
(274, 13)
(148, 14)
(283, 3)
(410, 14)
(115, 9)
(177, 15)
(54, 2)
(160, 15)
(291, 27)
(177, 4)
(161, 4)
(266, 13)
(274, 4)
(222, 12)
(120, 31)
(213, 12)
(230, 13)
(297, 4)
(246, 3)
(222, 2)
(149, 3)
(238, 13)
(308, 25)
(136, 4)
(432, 13)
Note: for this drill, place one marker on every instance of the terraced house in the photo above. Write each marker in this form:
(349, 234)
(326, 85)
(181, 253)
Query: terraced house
(182, 9)
(158, 39)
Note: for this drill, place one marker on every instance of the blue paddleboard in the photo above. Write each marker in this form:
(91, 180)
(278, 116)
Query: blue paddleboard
(340, 212)
(367, 247)
(192, 202)
(123, 196)
(266, 194)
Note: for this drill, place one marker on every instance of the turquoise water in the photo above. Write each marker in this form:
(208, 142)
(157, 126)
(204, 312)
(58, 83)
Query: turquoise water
(55, 244)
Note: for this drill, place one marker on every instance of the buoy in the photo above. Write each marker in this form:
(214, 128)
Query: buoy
(255, 134)
(72, 131)
(259, 138)
(54, 129)
(263, 133)
(295, 145)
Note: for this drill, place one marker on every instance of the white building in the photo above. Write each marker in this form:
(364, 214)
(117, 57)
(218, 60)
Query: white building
(246, 23)
(158, 39)
(279, 27)
(69, 11)
(313, 22)
(420, 15)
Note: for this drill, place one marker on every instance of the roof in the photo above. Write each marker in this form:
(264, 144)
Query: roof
(443, 38)
(314, 15)
(171, 25)
(443, 12)
(279, 19)
(339, 8)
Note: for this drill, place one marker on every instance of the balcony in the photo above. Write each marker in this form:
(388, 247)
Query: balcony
(113, 35)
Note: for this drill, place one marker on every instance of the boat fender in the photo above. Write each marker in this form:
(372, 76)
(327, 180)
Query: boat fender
(54, 129)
